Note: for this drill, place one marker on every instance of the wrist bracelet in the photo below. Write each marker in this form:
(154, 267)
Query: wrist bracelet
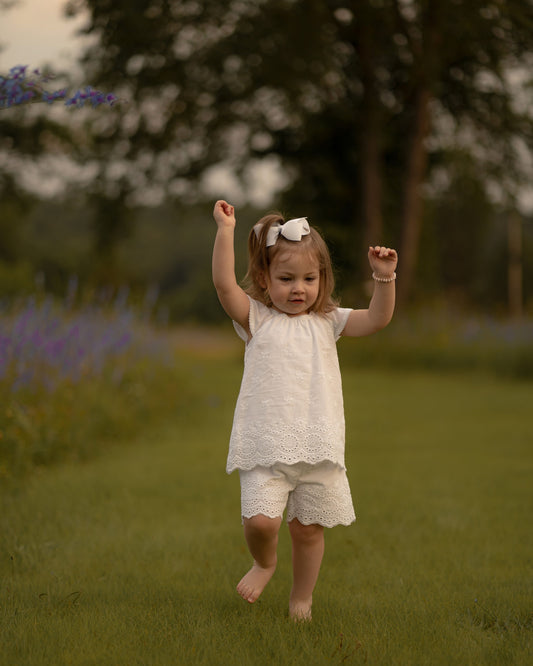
(384, 279)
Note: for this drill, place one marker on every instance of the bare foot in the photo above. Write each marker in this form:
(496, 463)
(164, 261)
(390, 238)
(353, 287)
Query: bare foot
(254, 582)
(300, 611)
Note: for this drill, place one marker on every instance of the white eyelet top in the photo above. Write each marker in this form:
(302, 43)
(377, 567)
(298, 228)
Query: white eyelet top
(290, 406)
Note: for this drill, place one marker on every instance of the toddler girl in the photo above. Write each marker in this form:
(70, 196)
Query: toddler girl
(287, 439)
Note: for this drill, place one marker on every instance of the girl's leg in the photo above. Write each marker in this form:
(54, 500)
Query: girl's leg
(307, 553)
(261, 534)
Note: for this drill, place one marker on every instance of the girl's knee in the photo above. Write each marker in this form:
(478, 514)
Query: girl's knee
(262, 524)
(305, 533)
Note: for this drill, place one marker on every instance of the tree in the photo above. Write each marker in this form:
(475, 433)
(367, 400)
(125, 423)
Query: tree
(460, 55)
(24, 137)
(355, 97)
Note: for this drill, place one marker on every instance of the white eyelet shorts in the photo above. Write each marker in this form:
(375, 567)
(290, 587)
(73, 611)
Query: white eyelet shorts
(314, 494)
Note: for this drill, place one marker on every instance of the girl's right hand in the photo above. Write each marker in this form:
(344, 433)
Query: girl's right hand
(224, 214)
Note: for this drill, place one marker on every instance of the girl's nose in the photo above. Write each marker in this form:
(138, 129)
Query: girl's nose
(298, 288)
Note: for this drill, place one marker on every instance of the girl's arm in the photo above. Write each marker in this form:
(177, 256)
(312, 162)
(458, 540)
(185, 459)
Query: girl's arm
(232, 298)
(383, 263)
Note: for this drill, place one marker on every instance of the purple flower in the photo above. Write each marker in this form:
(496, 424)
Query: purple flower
(43, 345)
(17, 88)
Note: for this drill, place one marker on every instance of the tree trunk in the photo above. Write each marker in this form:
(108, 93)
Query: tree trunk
(372, 185)
(412, 208)
(371, 138)
(111, 225)
(515, 271)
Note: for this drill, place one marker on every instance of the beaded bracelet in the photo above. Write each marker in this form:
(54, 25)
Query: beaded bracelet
(382, 279)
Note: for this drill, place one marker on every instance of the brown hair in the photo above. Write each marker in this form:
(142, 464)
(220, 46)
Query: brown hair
(260, 257)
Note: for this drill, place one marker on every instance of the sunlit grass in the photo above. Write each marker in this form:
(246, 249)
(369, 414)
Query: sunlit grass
(132, 557)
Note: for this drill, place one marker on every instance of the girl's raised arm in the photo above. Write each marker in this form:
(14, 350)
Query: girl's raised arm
(383, 262)
(232, 298)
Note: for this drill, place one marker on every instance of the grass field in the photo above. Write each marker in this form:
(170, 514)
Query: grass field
(132, 557)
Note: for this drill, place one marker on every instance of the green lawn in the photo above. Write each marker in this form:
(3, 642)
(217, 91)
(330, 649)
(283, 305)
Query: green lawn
(132, 557)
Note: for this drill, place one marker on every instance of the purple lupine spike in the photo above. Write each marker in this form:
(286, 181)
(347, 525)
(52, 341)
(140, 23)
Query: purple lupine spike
(44, 345)
(18, 88)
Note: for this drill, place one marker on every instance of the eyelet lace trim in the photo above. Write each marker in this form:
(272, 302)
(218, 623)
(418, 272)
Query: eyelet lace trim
(299, 441)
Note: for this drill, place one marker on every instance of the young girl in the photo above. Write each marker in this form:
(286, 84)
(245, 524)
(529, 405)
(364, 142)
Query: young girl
(287, 439)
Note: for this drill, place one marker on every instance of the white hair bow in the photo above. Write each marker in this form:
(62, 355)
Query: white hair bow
(292, 230)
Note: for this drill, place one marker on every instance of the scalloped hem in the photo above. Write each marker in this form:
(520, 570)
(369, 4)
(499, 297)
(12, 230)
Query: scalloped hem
(343, 522)
(314, 494)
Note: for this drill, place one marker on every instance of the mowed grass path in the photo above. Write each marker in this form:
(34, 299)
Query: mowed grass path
(132, 558)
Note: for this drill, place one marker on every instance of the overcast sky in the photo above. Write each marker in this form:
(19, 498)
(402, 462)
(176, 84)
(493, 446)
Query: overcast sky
(34, 33)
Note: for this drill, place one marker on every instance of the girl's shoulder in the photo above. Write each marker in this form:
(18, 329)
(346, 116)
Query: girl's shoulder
(259, 313)
(338, 317)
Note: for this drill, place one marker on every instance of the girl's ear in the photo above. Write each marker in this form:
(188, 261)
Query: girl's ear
(261, 278)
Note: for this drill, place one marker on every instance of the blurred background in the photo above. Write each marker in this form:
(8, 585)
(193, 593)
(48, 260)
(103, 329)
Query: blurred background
(402, 122)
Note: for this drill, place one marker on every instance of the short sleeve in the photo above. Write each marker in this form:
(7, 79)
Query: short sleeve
(339, 318)
(258, 314)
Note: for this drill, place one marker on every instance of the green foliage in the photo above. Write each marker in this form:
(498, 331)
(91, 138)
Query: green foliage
(77, 422)
(332, 89)
(327, 89)
(438, 340)
(172, 247)
(16, 280)
(14, 209)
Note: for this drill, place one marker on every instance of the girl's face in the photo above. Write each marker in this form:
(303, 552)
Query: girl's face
(293, 282)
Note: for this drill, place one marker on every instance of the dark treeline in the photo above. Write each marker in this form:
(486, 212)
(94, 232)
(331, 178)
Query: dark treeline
(395, 121)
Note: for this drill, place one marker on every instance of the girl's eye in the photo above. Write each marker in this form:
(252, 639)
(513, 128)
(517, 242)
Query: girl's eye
(285, 279)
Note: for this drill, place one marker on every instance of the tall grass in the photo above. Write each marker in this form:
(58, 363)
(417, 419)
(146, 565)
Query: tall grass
(132, 558)
(72, 376)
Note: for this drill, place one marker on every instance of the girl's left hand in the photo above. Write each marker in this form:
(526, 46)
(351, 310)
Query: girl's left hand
(383, 260)
(224, 214)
